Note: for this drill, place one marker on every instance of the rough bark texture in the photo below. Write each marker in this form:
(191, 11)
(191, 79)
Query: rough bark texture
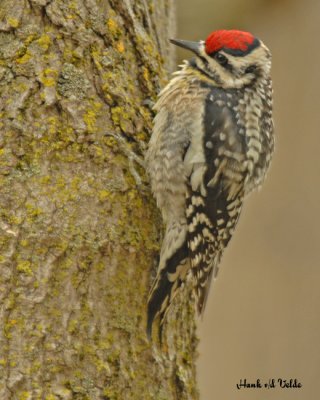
(79, 231)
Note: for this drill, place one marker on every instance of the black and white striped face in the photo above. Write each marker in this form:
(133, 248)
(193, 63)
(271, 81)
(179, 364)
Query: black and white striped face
(232, 59)
(234, 71)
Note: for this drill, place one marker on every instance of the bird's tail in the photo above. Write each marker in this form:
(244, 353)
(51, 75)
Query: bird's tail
(171, 275)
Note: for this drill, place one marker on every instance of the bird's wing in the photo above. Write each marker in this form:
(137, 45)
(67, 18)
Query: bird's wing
(215, 193)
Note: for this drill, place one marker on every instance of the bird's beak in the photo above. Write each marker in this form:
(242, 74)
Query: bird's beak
(192, 46)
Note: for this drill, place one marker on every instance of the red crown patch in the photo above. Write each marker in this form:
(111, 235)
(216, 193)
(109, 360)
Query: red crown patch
(237, 41)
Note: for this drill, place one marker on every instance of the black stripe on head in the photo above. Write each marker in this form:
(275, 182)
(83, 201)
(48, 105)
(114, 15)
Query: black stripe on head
(222, 60)
(205, 70)
(242, 53)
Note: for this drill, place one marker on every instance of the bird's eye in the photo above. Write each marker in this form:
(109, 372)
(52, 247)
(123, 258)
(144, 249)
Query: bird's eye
(250, 69)
(222, 60)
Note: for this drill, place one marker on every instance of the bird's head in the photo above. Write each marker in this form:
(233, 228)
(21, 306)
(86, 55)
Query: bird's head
(232, 58)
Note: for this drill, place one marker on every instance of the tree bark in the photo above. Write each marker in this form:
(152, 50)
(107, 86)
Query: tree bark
(79, 230)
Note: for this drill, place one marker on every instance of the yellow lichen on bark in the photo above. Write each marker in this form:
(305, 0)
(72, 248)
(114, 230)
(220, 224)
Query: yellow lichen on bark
(79, 234)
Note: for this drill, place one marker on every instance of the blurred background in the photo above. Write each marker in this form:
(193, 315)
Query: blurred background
(262, 319)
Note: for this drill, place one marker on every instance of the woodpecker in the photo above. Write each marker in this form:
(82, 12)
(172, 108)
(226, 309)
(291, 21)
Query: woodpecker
(211, 145)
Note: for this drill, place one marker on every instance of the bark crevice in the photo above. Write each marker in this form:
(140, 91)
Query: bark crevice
(79, 229)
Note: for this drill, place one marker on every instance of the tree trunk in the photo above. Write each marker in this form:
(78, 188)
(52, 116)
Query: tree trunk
(79, 230)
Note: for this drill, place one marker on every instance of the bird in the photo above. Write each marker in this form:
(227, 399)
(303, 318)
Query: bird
(211, 145)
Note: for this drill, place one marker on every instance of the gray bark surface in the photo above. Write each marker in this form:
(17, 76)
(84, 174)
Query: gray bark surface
(79, 230)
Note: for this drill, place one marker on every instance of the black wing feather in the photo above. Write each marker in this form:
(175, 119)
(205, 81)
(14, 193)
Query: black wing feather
(214, 216)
